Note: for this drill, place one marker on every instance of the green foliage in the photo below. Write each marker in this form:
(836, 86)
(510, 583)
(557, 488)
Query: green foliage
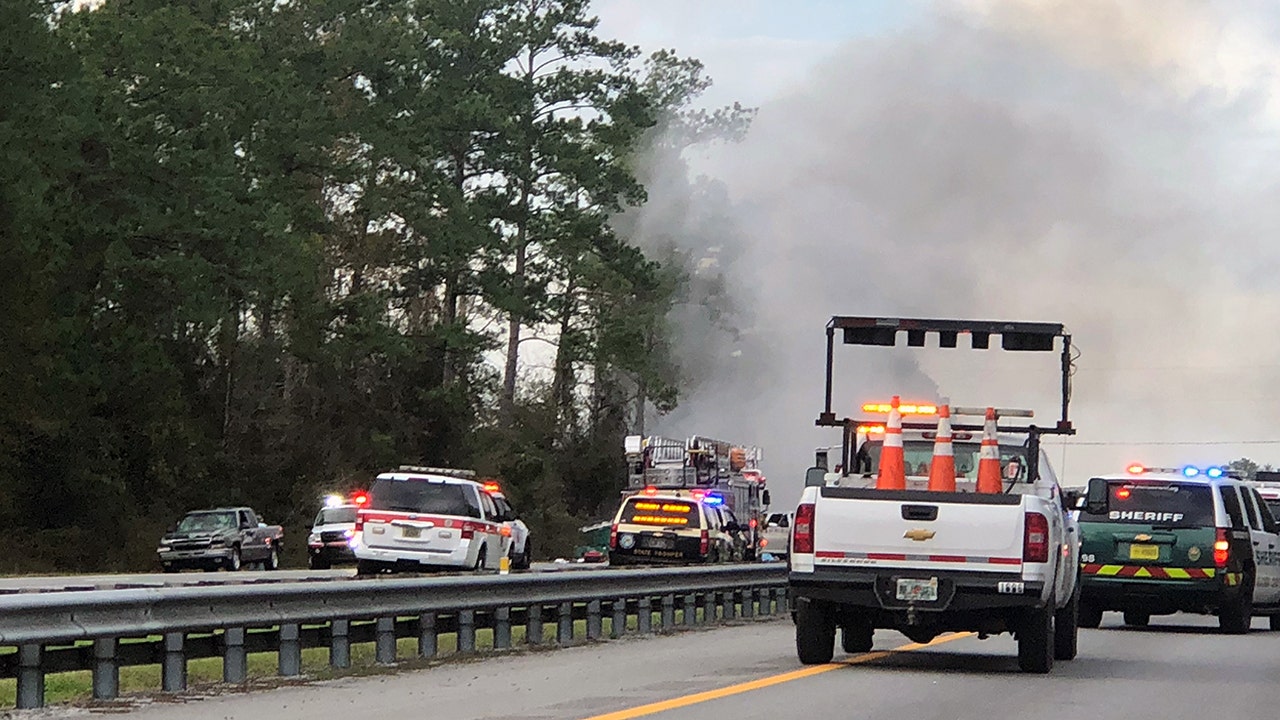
(1245, 467)
(255, 252)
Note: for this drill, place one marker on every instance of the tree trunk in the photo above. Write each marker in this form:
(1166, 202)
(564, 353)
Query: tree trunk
(514, 321)
(562, 384)
(452, 280)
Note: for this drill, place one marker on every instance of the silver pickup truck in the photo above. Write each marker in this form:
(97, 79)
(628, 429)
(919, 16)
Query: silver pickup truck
(228, 538)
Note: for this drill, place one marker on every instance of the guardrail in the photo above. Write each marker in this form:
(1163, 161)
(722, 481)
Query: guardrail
(103, 630)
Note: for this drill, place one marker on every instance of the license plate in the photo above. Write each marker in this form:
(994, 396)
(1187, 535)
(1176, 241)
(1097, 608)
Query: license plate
(1144, 552)
(663, 543)
(411, 532)
(918, 590)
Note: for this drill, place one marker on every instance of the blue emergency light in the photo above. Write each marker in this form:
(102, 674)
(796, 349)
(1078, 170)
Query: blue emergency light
(1191, 471)
(713, 499)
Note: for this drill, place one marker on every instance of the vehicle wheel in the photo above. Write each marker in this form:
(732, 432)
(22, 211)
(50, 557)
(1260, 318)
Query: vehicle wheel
(1275, 622)
(1035, 641)
(856, 638)
(1066, 628)
(273, 560)
(1238, 616)
(480, 559)
(170, 568)
(1137, 618)
(318, 562)
(815, 634)
(525, 558)
(233, 565)
(1090, 615)
(367, 567)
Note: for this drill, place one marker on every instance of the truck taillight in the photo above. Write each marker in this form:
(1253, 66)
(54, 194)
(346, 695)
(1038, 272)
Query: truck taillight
(802, 539)
(1035, 538)
(705, 544)
(1221, 548)
(613, 537)
(468, 532)
(359, 522)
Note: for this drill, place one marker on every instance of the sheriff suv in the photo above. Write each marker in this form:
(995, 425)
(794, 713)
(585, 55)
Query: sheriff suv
(427, 518)
(1156, 541)
(671, 527)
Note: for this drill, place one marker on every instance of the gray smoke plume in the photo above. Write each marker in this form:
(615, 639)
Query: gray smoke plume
(1107, 165)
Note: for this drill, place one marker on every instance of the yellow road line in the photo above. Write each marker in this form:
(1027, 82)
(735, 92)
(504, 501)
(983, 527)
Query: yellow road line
(765, 682)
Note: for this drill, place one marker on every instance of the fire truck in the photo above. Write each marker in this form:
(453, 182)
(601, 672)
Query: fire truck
(713, 471)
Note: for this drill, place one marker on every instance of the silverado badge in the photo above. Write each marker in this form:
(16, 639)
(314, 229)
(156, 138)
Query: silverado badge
(1142, 537)
(919, 534)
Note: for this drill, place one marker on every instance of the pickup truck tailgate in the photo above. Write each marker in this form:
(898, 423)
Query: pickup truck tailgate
(923, 530)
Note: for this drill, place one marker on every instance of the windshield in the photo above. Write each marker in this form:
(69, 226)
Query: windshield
(336, 516)
(919, 456)
(1164, 504)
(664, 513)
(423, 496)
(207, 522)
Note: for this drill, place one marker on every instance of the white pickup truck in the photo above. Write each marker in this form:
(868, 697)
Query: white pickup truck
(925, 563)
(928, 562)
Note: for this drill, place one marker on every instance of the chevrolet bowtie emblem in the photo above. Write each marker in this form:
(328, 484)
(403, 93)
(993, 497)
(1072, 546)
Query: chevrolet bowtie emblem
(919, 534)
(1142, 537)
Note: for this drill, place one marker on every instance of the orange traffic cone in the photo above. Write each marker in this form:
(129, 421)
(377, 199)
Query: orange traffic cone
(942, 473)
(893, 472)
(989, 458)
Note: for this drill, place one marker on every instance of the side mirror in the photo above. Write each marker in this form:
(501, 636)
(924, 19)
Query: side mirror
(1098, 497)
(815, 477)
(764, 498)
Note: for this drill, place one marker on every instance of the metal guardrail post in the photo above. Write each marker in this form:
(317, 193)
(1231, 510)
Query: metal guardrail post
(595, 626)
(385, 640)
(30, 677)
(644, 616)
(748, 603)
(235, 660)
(174, 668)
(784, 604)
(466, 631)
(340, 644)
(427, 644)
(668, 613)
(533, 632)
(689, 603)
(564, 628)
(106, 671)
(730, 605)
(618, 609)
(502, 628)
(766, 601)
(290, 655)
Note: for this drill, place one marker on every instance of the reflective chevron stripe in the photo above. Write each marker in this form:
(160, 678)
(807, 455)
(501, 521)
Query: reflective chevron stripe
(1152, 571)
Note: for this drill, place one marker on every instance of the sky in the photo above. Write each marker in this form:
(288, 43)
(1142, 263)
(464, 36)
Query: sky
(1103, 164)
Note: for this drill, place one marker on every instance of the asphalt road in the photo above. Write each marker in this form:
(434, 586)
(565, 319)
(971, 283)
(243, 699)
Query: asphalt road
(1181, 667)
(35, 583)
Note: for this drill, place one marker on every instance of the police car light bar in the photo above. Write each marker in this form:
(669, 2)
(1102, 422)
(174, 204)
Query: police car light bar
(446, 472)
(1186, 471)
